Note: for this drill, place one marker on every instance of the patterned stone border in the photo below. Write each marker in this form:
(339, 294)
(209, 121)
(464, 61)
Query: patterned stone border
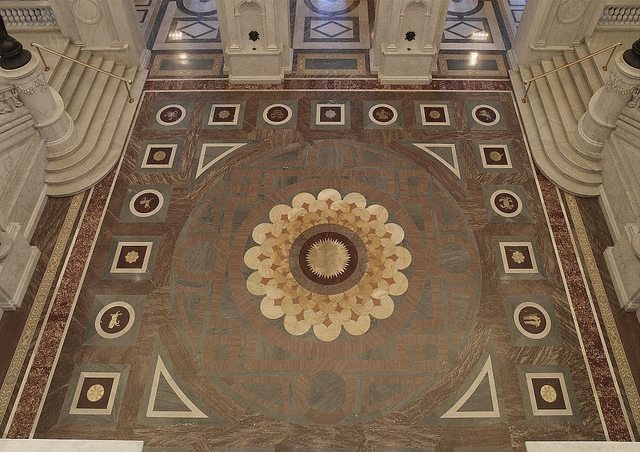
(605, 309)
(45, 356)
(29, 331)
(593, 349)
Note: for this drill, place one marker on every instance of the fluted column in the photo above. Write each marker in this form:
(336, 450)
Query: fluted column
(607, 103)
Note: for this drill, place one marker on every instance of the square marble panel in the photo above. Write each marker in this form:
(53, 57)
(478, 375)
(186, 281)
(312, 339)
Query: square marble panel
(332, 114)
(277, 114)
(331, 29)
(327, 25)
(159, 156)
(184, 30)
(227, 114)
(132, 258)
(435, 115)
(146, 203)
(518, 258)
(95, 393)
(495, 156)
(477, 31)
(382, 114)
(548, 395)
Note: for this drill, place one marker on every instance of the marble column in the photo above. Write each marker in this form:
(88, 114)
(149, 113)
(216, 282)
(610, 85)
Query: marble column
(406, 40)
(607, 103)
(43, 102)
(17, 261)
(257, 40)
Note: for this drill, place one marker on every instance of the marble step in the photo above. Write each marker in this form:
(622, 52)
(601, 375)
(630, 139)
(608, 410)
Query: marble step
(578, 107)
(629, 120)
(83, 118)
(74, 104)
(61, 167)
(581, 83)
(589, 68)
(74, 76)
(561, 125)
(553, 159)
(560, 99)
(16, 131)
(95, 161)
(63, 67)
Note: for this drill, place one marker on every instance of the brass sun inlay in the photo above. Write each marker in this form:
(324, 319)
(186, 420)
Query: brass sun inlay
(95, 393)
(328, 258)
(131, 257)
(518, 257)
(548, 393)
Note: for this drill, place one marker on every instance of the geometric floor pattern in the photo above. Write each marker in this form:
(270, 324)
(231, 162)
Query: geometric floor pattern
(334, 269)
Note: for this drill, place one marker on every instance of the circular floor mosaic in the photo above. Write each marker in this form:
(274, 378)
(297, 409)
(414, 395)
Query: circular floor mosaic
(327, 263)
(323, 281)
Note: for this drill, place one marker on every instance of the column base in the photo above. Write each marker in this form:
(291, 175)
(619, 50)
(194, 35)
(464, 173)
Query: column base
(16, 268)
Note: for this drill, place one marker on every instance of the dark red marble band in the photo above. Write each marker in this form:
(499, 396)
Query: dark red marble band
(55, 325)
(594, 349)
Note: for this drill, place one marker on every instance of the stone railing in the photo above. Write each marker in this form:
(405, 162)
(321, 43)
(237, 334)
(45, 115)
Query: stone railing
(29, 14)
(625, 16)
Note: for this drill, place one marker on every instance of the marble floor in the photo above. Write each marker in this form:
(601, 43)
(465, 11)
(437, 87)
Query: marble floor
(324, 265)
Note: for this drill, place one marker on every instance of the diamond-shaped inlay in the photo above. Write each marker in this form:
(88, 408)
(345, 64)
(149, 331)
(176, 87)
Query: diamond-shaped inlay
(331, 29)
(197, 29)
(463, 29)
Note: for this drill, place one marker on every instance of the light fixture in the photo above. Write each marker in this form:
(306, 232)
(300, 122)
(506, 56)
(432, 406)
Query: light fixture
(480, 35)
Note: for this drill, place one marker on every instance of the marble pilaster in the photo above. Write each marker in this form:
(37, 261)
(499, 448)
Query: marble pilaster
(406, 40)
(256, 39)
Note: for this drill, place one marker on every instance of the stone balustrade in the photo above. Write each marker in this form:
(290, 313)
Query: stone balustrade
(29, 14)
(627, 16)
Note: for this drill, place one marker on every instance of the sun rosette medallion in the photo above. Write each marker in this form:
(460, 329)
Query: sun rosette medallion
(327, 263)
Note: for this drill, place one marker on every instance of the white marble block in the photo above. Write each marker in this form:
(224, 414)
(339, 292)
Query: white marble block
(65, 445)
(257, 40)
(17, 261)
(407, 39)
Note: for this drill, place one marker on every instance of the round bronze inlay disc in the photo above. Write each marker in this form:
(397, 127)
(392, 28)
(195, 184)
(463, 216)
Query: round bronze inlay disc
(506, 203)
(171, 115)
(277, 114)
(486, 115)
(532, 320)
(384, 114)
(114, 319)
(146, 202)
